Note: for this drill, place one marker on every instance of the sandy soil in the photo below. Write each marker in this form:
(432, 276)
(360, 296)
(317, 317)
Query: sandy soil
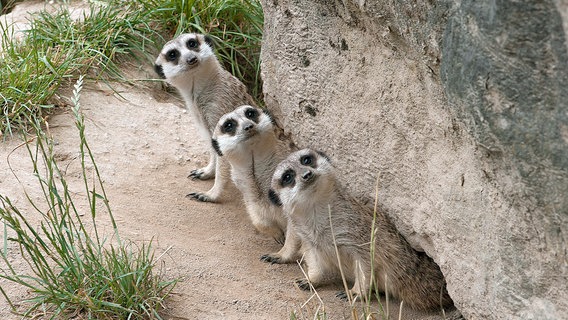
(145, 145)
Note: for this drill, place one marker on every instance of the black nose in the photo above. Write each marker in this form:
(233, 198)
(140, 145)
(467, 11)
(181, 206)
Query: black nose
(307, 175)
(248, 127)
(192, 60)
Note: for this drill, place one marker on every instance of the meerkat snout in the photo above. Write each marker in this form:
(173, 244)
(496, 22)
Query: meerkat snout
(307, 176)
(248, 126)
(192, 61)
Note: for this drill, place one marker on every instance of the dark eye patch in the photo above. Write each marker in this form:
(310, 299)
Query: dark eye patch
(172, 55)
(288, 178)
(252, 114)
(308, 160)
(229, 126)
(192, 44)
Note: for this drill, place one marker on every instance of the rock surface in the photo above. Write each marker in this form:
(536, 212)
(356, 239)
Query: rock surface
(458, 111)
(145, 144)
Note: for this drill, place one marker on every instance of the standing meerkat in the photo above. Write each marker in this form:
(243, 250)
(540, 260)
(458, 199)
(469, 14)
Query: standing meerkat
(305, 186)
(253, 144)
(188, 63)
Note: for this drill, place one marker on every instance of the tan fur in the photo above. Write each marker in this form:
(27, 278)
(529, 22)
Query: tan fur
(254, 147)
(209, 92)
(316, 203)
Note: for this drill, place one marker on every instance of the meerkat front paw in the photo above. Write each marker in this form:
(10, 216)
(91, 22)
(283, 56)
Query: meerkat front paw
(200, 197)
(201, 174)
(269, 258)
(283, 256)
(274, 258)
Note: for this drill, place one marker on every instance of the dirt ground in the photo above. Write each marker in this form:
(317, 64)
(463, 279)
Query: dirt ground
(145, 145)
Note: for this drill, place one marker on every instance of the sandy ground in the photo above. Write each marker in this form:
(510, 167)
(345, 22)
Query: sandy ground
(145, 146)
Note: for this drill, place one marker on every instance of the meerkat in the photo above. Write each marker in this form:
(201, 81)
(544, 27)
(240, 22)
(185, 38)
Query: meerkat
(254, 144)
(322, 214)
(188, 63)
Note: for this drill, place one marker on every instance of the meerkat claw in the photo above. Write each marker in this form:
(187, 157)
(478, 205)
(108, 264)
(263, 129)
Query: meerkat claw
(270, 259)
(198, 196)
(342, 295)
(196, 174)
(303, 284)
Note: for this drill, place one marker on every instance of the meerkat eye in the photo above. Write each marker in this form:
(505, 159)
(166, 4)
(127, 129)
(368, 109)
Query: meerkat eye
(172, 55)
(229, 126)
(252, 114)
(287, 178)
(307, 160)
(192, 43)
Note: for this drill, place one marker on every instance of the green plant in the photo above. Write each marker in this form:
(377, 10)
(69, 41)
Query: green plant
(73, 269)
(57, 48)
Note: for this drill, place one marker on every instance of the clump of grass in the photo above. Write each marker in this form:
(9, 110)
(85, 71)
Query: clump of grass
(56, 49)
(235, 24)
(73, 268)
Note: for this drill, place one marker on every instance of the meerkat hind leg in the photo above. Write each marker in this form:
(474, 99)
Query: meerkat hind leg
(207, 172)
(360, 288)
(316, 273)
(213, 195)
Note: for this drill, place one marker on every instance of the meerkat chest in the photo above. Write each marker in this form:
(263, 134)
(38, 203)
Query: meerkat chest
(243, 179)
(251, 175)
(309, 226)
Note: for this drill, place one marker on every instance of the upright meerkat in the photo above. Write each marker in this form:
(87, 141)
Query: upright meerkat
(253, 144)
(320, 210)
(188, 63)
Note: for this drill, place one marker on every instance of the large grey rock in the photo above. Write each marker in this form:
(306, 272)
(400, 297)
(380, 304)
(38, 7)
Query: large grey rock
(458, 111)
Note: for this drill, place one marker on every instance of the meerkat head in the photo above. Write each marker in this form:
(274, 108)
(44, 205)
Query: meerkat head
(305, 177)
(183, 55)
(242, 129)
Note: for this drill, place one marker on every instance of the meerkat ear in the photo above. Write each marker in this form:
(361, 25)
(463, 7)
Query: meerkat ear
(159, 70)
(323, 155)
(269, 114)
(274, 198)
(209, 41)
(215, 145)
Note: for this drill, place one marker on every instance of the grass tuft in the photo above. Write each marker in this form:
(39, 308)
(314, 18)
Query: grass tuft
(73, 269)
(57, 48)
